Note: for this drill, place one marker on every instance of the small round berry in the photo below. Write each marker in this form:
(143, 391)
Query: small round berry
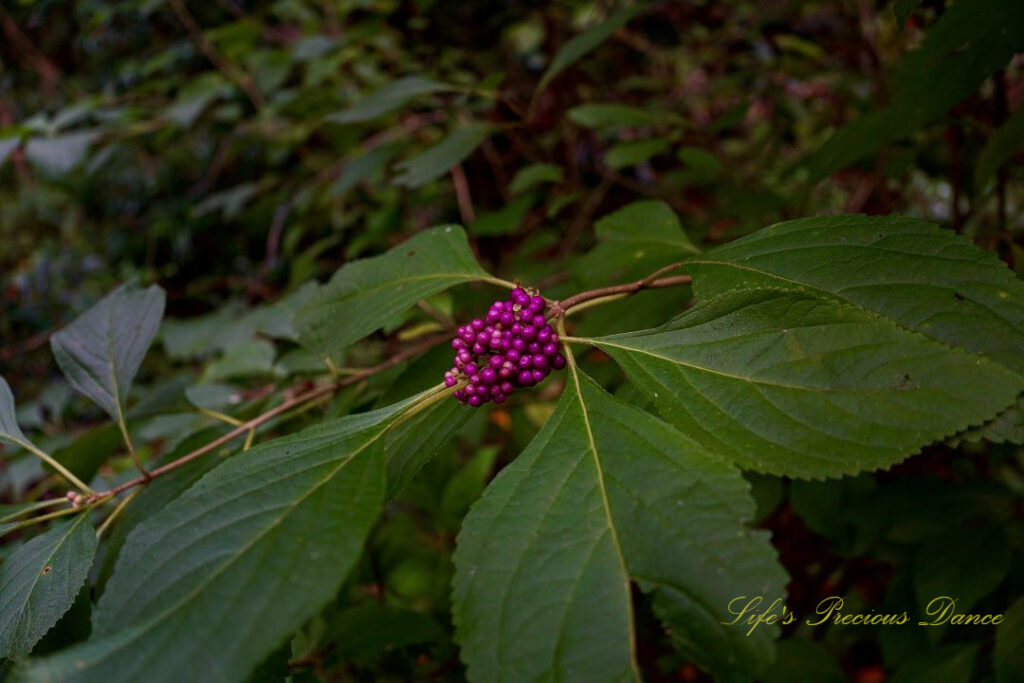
(512, 355)
(529, 332)
(525, 378)
(518, 345)
(533, 347)
(507, 387)
(457, 343)
(474, 379)
(489, 376)
(507, 318)
(550, 349)
(516, 329)
(475, 401)
(538, 375)
(495, 362)
(540, 362)
(539, 321)
(537, 303)
(493, 317)
(554, 338)
(500, 398)
(544, 334)
(525, 362)
(477, 324)
(450, 381)
(494, 391)
(505, 373)
(517, 292)
(558, 361)
(478, 348)
(471, 368)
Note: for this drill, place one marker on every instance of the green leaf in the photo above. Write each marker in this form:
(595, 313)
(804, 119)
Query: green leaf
(964, 563)
(58, 155)
(796, 384)
(1006, 657)
(253, 358)
(968, 43)
(439, 159)
(368, 294)
(579, 46)
(635, 241)
(634, 152)
(220, 576)
(533, 175)
(371, 630)
(951, 663)
(101, 351)
(1000, 147)
(924, 279)
(390, 98)
(362, 168)
(612, 115)
(605, 494)
(505, 220)
(9, 429)
(39, 582)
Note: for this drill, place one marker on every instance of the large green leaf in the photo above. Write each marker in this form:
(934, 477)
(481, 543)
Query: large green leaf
(579, 46)
(101, 350)
(368, 294)
(797, 384)
(924, 279)
(969, 42)
(219, 577)
(39, 582)
(635, 241)
(605, 494)
(439, 159)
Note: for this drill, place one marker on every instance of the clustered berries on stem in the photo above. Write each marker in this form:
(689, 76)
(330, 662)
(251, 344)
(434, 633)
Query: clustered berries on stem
(512, 346)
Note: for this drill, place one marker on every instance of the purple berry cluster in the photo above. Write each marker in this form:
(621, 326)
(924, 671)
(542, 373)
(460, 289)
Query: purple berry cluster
(512, 346)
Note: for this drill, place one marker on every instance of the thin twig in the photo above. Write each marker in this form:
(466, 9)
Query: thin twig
(246, 427)
(462, 194)
(234, 73)
(652, 281)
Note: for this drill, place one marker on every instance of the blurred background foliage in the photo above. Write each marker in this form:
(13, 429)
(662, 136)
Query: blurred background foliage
(234, 150)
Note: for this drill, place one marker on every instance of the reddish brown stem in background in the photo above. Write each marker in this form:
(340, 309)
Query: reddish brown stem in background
(652, 281)
(234, 73)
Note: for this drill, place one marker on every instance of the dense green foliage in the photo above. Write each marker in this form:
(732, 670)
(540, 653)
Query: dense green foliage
(247, 232)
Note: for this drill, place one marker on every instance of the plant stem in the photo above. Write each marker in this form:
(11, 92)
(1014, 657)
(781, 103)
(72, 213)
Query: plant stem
(652, 281)
(246, 427)
(116, 513)
(48, 459)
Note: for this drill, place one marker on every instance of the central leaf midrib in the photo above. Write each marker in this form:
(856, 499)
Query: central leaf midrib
(606, 504)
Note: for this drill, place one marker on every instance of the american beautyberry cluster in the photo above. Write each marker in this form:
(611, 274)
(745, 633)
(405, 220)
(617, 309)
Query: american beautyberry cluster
(512, 346)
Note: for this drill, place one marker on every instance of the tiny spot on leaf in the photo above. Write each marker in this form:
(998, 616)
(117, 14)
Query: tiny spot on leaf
(959, 296)
(47, 569)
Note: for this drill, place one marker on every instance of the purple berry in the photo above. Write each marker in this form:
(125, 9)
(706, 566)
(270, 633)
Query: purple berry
(489, 376)
(471, 368)
(475, 401)
(450, 381)
(528, 333)
(533, 347)
(538, 375)
(495, 362)
(550, 349)
(500, 398)
(558, 362)
(507, 387)
(537, 302)
(525, 378)
(544, 334)
(513, 355)
(540, 362)
(525, 362)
